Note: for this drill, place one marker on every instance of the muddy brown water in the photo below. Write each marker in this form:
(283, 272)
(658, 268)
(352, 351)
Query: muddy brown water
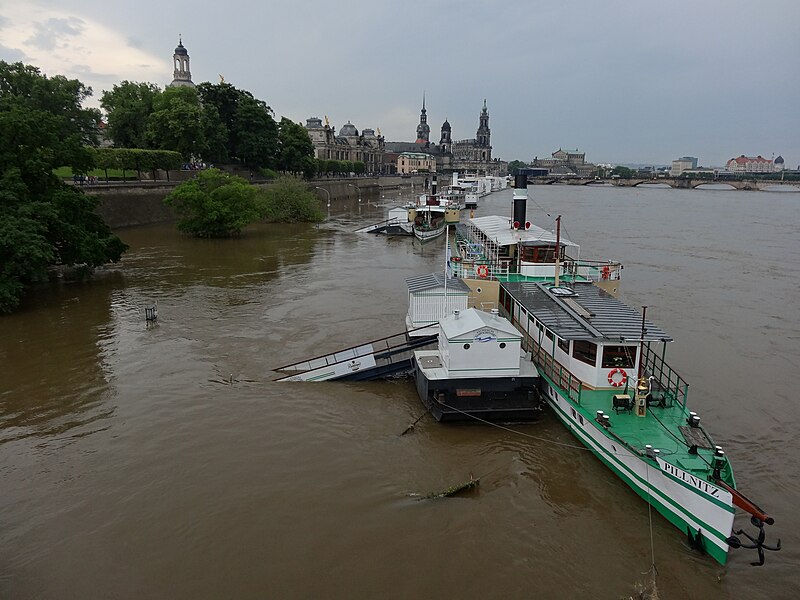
(162, 462)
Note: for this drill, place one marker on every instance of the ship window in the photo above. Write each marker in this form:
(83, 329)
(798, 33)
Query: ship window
(549, 334)
(584, 351)
(466, 346)
(619, 356)
(564, 345)
(502, 344)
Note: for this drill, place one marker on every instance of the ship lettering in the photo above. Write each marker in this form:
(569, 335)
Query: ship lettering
(692, 480)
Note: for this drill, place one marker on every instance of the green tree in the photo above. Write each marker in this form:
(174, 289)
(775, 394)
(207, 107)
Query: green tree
(295, 147)
(516, 165)
(215, 204)
(255, 133)
(177, 123)
(128, 107)
(623, 172)
(289, 200)
(252, 133)
(44, 222)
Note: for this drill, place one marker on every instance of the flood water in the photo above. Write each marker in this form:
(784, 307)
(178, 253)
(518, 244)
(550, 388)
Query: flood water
(162, 462)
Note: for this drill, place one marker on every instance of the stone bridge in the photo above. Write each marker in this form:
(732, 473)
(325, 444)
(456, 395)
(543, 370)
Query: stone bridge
(676, 183)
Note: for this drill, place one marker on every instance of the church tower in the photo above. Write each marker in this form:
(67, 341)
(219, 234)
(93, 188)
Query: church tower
(484, 134)
(182, 76)
(423, 129)
(445, 141)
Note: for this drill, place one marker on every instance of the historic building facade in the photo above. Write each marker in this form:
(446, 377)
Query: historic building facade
(182, 75)
(469, 155)
(752, 164)
(349, 144)
(562, 162)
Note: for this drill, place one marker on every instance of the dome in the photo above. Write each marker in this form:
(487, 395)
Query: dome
(348, 129)
(180, 49)
(446, 126)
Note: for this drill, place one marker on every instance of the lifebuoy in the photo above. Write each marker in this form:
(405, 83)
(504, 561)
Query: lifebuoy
(605, 272)
(621, 381)
(483, 271)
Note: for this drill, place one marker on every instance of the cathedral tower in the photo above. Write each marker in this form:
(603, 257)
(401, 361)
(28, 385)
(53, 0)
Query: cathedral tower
(182, 76)
(484, 134)
(423, 129)
(445, 141)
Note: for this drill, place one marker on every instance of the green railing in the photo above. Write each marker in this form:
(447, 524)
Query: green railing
(673, 387)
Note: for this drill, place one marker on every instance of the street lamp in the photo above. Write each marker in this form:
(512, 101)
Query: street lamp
(359, 191)
(327, 193)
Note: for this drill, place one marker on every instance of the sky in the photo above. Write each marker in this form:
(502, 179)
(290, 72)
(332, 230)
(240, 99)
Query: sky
(623, 81)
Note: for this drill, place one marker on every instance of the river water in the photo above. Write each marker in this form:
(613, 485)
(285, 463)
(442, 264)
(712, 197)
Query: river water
(162, 462)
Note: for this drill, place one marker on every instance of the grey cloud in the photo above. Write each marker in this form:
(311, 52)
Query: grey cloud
(48, 33)
(12, 54)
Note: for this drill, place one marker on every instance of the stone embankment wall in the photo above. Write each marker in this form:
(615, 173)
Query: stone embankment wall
(142, 202)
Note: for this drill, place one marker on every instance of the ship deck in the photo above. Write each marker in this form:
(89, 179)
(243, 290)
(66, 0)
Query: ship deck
(663, 427)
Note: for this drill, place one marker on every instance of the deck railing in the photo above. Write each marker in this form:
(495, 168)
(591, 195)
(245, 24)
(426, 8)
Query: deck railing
(670, 386)
(546, 363)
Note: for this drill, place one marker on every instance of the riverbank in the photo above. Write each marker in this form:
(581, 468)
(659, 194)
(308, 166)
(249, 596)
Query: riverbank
(142, 202)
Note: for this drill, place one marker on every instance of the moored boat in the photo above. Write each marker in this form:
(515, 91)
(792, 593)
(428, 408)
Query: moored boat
(605, 379)
(477, 370)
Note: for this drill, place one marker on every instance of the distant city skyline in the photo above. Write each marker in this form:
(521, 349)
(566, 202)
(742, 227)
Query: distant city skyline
(625, 82)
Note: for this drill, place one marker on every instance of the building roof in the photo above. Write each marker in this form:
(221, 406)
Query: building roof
(421, 283)
(180, 49)
(473, 319)
(606, 318)
(742, 160)
(498, 229)
(779, 160)
(348, 130)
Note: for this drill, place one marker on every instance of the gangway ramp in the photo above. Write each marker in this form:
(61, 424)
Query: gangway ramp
(377, 359)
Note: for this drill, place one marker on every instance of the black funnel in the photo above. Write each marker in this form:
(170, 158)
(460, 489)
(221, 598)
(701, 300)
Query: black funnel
(520, 199)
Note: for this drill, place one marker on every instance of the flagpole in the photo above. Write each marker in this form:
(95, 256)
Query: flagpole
(446, 265)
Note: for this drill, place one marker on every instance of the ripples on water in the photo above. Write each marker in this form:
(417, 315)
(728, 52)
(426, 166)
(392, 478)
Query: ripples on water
(162, 461)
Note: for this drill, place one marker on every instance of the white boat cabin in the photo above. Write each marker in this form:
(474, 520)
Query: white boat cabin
(473, 343)
(589, 332)
(527, 250)
(430, 299)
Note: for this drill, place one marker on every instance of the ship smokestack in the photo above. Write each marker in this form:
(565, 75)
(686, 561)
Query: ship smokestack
(520, 199)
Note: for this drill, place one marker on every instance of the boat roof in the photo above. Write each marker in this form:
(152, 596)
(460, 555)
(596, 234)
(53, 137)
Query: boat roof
(498, 229)
(590, 313)
(473, 319)
(420, 283)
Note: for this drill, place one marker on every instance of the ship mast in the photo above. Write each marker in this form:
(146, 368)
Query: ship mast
(558, 244)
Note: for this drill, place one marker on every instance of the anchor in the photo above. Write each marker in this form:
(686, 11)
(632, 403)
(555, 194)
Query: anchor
(758, 542)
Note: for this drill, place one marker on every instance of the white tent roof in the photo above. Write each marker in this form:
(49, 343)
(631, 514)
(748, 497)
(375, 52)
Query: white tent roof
(473, 319)
(498, 229)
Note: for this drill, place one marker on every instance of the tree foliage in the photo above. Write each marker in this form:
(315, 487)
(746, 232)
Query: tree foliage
(289, 200)
(296, 151)
(515, 165)
(251, 133)
(623, 172)
(128, 107)
(44, 222)
(215, 204)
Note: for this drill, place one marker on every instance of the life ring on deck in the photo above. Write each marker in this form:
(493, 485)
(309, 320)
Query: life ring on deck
(483, 271)
(621, 381)
(605, 272)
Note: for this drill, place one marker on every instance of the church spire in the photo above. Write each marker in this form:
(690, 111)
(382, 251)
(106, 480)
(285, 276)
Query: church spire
(423, 129)
(181, 76)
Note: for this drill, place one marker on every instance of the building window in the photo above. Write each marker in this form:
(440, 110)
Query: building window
(584, 351)
(619, 356)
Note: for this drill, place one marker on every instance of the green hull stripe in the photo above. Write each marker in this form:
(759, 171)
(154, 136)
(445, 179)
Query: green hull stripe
(316, 377)
(628, 476)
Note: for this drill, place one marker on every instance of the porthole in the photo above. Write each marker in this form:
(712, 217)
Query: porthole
(479, 290)
(466, 346)
(502, 344)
